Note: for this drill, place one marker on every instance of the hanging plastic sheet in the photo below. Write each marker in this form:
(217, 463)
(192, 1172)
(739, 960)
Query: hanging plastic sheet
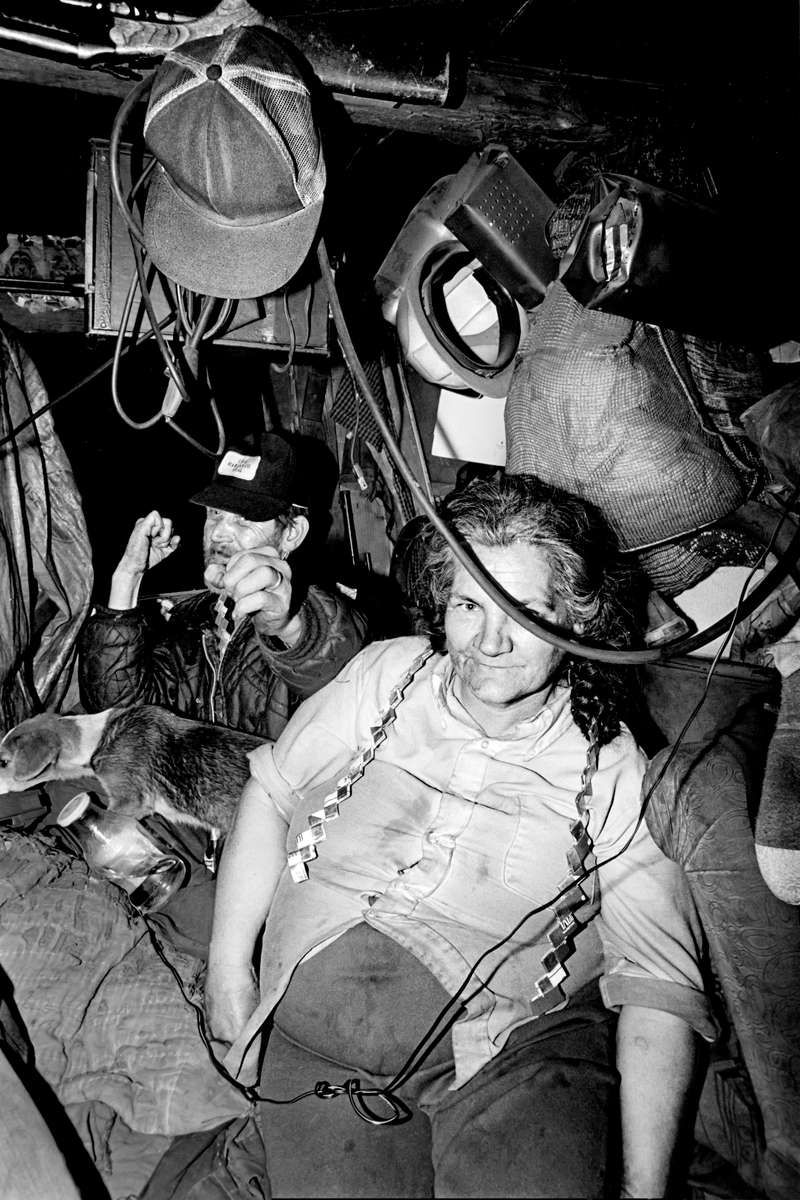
(45, 557)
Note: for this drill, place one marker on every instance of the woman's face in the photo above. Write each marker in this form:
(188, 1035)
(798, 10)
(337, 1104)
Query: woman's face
(497, 662)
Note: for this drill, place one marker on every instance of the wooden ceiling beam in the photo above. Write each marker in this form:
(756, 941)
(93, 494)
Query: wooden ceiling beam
(504, 101)
(19, 67)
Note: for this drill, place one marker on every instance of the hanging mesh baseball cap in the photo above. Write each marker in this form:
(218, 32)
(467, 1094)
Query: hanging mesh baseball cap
(235, 200)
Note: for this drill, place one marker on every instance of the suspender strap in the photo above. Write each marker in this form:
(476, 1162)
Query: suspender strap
(580, 859)
(308, 840)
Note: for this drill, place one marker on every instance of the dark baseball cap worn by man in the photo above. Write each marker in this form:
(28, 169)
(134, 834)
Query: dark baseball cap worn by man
(234, 203)
(257, 484)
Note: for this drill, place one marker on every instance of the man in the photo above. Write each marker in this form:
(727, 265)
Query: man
(467, 855)
(243, 651)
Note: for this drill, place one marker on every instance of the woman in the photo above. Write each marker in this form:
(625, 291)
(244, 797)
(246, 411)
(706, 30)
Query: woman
(462, 819)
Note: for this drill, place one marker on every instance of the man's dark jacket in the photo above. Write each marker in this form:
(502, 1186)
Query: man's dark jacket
(136, 656)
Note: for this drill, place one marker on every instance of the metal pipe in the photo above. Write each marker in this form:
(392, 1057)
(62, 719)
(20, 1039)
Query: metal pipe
(53, 45)
(379, 59)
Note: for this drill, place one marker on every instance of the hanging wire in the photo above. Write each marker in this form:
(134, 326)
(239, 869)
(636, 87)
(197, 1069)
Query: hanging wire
(191, 349)
(194, 331)
(135, 231)
(126, 311)
(282, 368)
(309, 311)
(188, 323)
(221, 434)
(289, 365)
(412, 418)
(147, 301)
(76, 387)
(194, 442)
(133, 97)
(196, 335)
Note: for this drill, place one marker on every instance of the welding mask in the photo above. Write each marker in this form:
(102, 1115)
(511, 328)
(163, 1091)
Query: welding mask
(469, 261)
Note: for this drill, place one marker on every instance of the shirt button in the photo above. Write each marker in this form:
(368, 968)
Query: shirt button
(484, 744)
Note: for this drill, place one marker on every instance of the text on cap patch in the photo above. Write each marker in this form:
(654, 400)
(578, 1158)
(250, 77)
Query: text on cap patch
(241, 466)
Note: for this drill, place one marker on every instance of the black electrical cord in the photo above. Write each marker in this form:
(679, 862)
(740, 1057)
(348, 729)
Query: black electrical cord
(189, 322)
(194, 332)
(683, 644)
(147, 301)
(76, 387)
(191, 349)
(408, 405)
(135, 230)
(118, 345)
(197, 331)
(133, 97)
(281, 369)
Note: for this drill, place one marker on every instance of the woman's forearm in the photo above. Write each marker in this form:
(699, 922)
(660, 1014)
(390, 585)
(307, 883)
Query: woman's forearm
(252, 862)
(656, 1054)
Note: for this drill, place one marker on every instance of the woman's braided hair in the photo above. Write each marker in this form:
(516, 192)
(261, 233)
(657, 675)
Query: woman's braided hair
(598, 591)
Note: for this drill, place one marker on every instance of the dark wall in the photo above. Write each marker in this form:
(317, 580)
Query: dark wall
(121, 473)
(46, 134)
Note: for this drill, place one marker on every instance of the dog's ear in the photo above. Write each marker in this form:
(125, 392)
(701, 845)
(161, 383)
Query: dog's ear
(32, 752)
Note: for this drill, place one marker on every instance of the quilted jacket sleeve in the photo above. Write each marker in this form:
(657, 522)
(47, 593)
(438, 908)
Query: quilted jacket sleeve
(133, 657)
(334, 631)
(122, 660)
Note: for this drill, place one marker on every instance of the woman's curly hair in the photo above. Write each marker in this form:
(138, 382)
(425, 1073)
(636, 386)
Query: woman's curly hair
(598, 591)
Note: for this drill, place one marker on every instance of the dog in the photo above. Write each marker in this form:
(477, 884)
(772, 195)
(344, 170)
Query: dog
(147, 760)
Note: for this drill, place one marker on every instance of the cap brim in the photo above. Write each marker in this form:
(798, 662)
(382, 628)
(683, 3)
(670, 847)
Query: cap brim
(216, 258)
(230, 499)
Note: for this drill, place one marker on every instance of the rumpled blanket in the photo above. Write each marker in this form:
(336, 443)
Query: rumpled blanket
(106, 1017)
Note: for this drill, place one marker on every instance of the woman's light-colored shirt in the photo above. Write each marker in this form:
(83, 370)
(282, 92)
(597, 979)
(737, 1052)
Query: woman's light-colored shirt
(451, 837)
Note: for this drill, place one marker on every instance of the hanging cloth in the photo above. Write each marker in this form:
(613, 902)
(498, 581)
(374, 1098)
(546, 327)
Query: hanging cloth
(45, 557)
